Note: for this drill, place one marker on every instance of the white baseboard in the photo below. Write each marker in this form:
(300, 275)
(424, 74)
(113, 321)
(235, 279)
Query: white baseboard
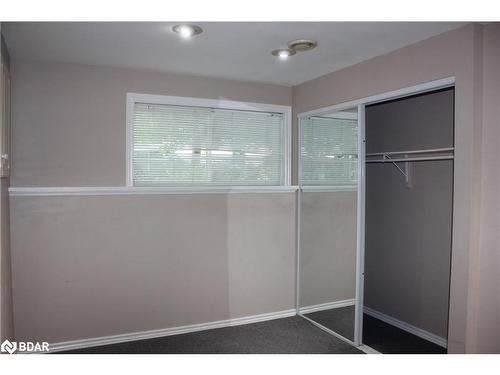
(115, 339)
(326, 306)
(441, 341)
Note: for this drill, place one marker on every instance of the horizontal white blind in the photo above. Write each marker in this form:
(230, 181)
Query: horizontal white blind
(181, 145)
(329, 151)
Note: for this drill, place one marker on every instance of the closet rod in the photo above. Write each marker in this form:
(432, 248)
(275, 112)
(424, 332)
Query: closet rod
(423, 158)
(428, 151)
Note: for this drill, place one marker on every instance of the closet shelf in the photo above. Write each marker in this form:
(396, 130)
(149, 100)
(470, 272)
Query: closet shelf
(404, 156)
(408, 156)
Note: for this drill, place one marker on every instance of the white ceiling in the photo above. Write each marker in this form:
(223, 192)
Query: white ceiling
(228, 50)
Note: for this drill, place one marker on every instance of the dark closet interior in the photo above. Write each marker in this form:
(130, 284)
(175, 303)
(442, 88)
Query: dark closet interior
(408, 223)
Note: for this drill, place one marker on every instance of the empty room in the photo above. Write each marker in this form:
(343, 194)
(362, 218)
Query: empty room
(250, 187)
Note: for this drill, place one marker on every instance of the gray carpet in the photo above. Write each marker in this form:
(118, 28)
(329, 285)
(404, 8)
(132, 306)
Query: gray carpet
(388, 339)
(377, 334)
(294, 335)
(339, 320)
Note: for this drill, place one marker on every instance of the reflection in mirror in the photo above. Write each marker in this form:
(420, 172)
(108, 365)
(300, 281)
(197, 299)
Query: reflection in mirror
(328, 195)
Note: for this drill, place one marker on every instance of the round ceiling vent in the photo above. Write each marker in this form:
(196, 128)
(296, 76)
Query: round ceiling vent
(300, 45)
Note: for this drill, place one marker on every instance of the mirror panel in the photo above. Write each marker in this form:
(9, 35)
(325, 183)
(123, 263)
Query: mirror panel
(328, 220)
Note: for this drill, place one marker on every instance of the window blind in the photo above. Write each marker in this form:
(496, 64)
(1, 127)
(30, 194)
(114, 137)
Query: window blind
(183, 145)
(329, 151)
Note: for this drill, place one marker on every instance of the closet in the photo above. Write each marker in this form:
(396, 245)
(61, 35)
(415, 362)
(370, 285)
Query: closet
(375, 209)
(408, 222)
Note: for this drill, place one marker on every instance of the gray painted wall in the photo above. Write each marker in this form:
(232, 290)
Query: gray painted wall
(421, 122)
(327, 247)
(102, 265)
(408, 231)
(6, 308)
(95, 266)
(485, 306)
(6, 312)
(70, 119)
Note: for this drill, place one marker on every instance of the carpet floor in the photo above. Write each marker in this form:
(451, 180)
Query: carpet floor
(388, 339)
(294, 335)
(383, 337)
(339, 320)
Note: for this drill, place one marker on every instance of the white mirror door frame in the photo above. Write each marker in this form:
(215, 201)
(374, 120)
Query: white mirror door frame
(360, 231)
(360, 246)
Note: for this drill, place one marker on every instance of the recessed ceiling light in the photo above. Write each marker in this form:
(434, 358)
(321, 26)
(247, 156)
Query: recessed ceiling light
(283, 53)
(302, 44)
(187, 31)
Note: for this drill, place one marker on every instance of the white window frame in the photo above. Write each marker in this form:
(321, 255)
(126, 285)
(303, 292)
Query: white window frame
(322, 188)
(285, 111)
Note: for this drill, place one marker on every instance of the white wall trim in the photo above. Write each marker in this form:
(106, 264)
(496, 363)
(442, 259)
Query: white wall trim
(115, 339)
(441, 341)
(286, 111)
(327, 189)
(326, 306)
(124, 190)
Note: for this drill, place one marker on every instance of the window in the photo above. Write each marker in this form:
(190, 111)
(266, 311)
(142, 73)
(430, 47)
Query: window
(197, 142)
(329, 151)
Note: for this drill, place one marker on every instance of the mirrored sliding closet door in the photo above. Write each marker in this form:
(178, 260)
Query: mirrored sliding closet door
(328, 179)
